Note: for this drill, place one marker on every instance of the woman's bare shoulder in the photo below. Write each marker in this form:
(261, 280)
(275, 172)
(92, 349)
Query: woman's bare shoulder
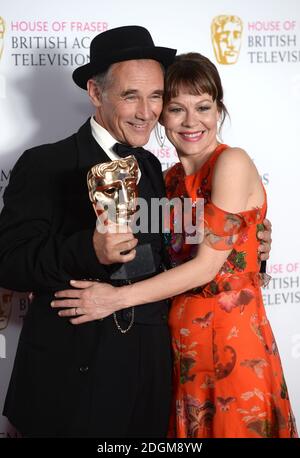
(234, 159)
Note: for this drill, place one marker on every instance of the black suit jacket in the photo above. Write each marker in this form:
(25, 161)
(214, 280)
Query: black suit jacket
(46, 230)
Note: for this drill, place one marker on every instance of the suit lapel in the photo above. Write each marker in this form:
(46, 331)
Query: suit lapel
(89, 152)
(156, 177)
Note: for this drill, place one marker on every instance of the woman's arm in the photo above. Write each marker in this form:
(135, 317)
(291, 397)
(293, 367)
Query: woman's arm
(196, 272)
(98, 300)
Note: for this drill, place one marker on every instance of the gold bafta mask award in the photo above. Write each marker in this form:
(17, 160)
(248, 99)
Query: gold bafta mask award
(5, 307)
(226, 35)
(2, 32)
(113, 189)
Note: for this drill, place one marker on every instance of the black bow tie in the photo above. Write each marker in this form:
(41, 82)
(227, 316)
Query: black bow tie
(125, 150)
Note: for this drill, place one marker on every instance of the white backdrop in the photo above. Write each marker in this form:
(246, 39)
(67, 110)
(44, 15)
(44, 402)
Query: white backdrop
(39, 103)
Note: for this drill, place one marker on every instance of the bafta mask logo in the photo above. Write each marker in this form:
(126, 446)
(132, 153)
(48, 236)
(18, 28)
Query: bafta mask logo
(226, 35)
(2, 32)
(5, 307)
(113, 188)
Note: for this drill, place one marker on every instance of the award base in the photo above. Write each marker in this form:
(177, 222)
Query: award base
(142, 265)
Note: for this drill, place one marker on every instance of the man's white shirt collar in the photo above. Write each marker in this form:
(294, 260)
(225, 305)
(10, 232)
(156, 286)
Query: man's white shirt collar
(104, 139)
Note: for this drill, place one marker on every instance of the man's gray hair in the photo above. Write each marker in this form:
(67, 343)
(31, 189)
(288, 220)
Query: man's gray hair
(102, 79)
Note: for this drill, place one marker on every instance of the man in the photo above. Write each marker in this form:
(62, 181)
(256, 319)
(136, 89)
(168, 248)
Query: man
(96, 379)
(108, 378)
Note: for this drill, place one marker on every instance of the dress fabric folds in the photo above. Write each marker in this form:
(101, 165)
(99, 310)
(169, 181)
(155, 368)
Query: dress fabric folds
(227, 378)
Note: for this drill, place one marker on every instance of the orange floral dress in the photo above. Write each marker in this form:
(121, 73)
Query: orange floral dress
(228, 379)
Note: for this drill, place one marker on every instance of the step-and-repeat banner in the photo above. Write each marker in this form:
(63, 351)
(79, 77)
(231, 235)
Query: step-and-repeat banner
(256, 46)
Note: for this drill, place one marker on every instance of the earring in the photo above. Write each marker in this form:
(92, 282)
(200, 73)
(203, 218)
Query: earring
(160, 135)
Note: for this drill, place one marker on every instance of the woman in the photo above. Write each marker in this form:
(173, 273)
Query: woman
(228, 380)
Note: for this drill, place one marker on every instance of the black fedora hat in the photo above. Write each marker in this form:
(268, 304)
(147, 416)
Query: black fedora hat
(119, 44)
